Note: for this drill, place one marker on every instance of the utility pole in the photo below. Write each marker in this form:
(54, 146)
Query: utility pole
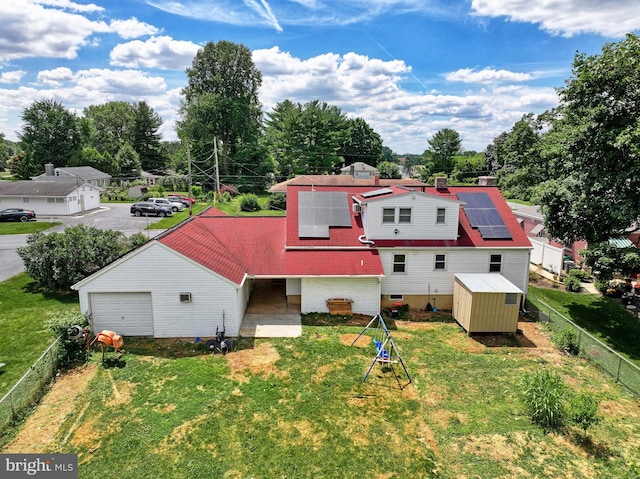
(189, 178)
(215, 154)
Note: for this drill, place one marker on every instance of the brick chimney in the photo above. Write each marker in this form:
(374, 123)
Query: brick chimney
(441, 182)
(376, 179)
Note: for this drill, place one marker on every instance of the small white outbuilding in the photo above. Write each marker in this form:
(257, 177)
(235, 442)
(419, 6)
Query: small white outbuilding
(486, 303)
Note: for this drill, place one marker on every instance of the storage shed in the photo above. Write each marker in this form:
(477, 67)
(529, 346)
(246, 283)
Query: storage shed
(486, 303)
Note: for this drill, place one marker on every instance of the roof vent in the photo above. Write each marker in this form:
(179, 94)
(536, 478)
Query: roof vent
(441, 182)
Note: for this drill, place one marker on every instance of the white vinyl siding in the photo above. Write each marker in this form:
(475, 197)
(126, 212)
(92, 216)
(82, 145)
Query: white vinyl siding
(165, 274)
(422, 278)
(364, 292)
(417, 221)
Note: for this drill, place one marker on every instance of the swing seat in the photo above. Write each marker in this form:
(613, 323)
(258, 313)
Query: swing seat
(383, 355)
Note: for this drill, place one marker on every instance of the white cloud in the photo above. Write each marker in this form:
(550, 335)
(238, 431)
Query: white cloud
(486, 75)
(30, 30)
(610, 18)
(55, 77)
(66, 4)
(132, 28)
(156, 52)
(12, 77)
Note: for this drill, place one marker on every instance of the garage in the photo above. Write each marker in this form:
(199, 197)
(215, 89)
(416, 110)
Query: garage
(128, 314)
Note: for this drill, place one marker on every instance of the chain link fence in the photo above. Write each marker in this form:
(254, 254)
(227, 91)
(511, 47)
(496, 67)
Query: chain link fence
(29, 388)
(621, 369)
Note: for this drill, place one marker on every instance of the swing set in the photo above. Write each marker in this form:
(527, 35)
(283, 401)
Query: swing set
(387, 354)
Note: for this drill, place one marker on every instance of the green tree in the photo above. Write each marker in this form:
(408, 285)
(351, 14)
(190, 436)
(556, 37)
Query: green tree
(221, 101)
(109, 126)
(49, 134)
(607, 260)
(146, 140)
(593, 147)
(21, 166)
(128, 161)
(4, 152)
(443, 146)
(58, 260)
(306, 138)
(388, 154)
(389, 170)
(363, 144)
(89, 156)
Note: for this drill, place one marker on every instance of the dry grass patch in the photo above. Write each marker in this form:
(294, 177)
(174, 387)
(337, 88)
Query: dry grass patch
(260, 360)
(348, 339)
(323, 371)
(40, 430)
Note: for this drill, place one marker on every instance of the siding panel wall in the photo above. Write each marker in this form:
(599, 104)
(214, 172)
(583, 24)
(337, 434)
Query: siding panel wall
(365, 293)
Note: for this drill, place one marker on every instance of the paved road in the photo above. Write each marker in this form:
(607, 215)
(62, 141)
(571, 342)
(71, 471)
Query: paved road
(110, 216)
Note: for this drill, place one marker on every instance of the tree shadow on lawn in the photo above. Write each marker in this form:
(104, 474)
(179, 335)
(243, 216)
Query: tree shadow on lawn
(174, 348)
(65, 297)
(617, 327)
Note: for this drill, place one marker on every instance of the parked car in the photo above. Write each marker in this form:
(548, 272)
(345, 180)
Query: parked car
(145, 208)
(187, 199)
(175, 206)
(179, 199)
(17, 214)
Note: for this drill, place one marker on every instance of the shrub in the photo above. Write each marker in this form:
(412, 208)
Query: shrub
(583, 411)
(277, 201)
(578, 273)
(72, 348)
(249, 203)
(567, 340)
(573, 284)
(543, 395)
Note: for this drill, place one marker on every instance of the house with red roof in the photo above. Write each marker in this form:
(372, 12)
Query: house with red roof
(370, 244)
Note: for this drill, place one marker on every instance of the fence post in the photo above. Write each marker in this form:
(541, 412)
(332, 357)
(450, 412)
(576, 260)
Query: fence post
(579, 338)
(618, 369)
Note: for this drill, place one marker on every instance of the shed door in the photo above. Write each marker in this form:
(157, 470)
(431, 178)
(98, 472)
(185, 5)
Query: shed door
(128, 314)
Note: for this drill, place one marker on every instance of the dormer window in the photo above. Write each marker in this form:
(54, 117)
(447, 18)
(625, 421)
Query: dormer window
(388, 215)
(404, 215)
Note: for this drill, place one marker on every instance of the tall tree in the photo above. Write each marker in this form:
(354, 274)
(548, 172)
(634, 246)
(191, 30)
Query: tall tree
(363, 144)
(221, 101)
(443, 146)
(49, 133)
(128, 161)
(146, 140)
(593, 147)
(109, 126)
(307, 138)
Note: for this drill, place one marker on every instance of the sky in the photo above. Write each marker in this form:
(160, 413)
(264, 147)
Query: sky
(409, 68)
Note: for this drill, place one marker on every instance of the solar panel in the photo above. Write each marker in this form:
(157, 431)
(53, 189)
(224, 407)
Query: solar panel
(482, 214)
(380, 192)
(494, 232)
(318, 210)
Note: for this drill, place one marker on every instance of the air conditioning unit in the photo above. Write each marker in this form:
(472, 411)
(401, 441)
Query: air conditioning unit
(356, 207)
(185, 297)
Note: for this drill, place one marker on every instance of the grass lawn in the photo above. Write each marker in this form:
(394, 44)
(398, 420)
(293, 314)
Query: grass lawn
(296, 407)
(19, 228)
(599, 315)
(232, 208)
(171, 221)
(24, 337)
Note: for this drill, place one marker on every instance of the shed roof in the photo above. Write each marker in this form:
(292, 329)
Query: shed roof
(487, 283)
(37, 188)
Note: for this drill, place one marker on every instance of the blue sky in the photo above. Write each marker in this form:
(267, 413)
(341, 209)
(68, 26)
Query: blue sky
(408, 67)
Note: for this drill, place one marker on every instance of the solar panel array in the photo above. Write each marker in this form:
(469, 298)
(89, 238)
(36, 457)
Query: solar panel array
(482, 214)
(379, 192)
(318, 210)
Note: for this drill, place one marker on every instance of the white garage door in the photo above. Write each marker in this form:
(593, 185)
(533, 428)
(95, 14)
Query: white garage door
(128, 314)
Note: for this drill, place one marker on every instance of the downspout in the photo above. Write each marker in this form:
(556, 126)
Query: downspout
(362, 240)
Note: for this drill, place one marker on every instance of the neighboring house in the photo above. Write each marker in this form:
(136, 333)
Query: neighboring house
(150, 178)
(547, 252)
(49, 198)
(79, 174)
(343, 180)
(369, 244)
(360, 171)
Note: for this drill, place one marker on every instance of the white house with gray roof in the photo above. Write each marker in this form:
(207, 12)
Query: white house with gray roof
(77, 174)
(49, 198)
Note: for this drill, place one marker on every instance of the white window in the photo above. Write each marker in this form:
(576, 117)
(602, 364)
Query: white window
(25, 200)
(440, 216)
(441, 261)
(388, 215)
(399, 263)
(404, 215)
(495, 263)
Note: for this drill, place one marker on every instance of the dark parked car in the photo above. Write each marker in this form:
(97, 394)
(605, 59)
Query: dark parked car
(145, 208)
(17, 214)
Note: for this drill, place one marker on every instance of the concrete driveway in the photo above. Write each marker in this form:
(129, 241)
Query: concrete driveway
(111, 216)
